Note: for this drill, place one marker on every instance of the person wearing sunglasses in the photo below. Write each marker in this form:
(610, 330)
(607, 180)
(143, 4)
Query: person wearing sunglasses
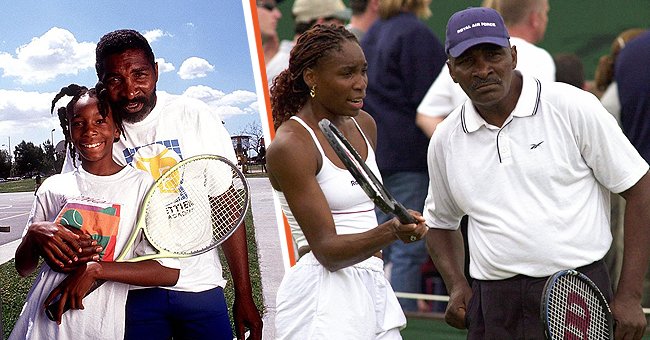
(268, 15)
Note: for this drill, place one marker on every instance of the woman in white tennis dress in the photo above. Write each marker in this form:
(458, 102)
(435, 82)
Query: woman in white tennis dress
(337, 290)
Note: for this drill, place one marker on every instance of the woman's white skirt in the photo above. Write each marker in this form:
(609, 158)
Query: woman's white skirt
(355, 302)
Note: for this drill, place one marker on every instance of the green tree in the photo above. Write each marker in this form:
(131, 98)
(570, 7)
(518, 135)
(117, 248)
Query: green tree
(5, 164)
(48, 166)
(28, 158)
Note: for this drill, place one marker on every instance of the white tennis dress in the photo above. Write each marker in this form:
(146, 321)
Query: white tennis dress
(355, 302)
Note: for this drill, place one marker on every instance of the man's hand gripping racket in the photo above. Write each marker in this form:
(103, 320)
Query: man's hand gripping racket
(364, 176)
(191, 209)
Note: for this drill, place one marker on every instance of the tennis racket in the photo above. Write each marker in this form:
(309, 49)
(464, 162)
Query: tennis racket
(364, 176)
(191, 209)
(573, 307)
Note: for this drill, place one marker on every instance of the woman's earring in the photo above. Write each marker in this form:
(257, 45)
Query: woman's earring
(312, 91)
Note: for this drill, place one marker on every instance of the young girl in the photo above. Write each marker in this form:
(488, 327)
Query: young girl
(100, 199)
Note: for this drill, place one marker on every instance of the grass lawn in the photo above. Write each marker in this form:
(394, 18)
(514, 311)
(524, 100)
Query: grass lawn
(253, 266)
(13, 292)
(426, 328)
(14, 288)
(18, 186)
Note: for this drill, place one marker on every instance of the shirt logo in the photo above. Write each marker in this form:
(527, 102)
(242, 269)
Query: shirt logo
(533, 146)
(100, 220)
(353, 183)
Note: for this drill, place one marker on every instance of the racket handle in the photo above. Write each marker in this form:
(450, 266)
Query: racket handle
(403, 215)
(49, 310)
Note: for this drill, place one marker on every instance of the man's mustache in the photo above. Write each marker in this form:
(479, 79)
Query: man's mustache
(123, 103)
(483, 82)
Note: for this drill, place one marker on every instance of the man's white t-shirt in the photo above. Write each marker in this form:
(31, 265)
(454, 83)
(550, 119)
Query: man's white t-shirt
(178, 128)
(279, 62)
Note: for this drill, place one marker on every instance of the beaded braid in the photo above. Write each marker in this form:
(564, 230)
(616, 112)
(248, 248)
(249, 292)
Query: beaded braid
(289, 93)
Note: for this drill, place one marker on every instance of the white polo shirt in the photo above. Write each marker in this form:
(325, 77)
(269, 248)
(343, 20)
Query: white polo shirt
(444, 95)
(535, 190)
(279, 62)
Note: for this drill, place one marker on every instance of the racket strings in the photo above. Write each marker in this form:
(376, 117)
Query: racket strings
(574, 311)
(203, 210)
(227, 210)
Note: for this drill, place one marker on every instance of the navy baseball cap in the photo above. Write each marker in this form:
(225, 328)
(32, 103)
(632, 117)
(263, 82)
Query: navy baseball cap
(473, 26)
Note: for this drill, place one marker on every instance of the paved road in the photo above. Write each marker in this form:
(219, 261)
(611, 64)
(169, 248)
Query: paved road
(14, 210)
(268, 247)
(15, 207)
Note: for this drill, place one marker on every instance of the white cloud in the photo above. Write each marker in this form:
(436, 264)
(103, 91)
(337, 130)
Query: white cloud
(156, 34)
(35, 131)
(164, 66)
(194, 67)
(238, 102)
(57, 52)
(21, 105)
(26, 114)
(238, 97)
(204, 93)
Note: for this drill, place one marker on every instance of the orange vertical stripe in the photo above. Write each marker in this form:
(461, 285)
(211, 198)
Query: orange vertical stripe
(287, 232)
(269, 116)
(260, 59)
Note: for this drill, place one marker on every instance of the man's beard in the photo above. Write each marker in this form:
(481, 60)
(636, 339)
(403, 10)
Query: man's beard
(135, 117)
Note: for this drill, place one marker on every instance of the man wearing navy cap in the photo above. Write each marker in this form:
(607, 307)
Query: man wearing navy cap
(532, 165)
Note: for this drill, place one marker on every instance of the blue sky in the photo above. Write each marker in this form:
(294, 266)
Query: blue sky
(201, 46)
